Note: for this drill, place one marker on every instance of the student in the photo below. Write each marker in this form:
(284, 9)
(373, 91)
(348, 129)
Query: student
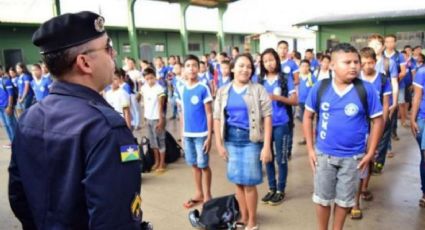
(388, 67)
(324, 72)
(45, 71)
(143, 65)
(288, 66)
(339, 156)
(161, 72)
(171, 62)
(282, 93)
(136, 77)
(40, 85)
(176, 82)
(25, 93)
(296, 57)
(235, 52)
(243, 124)
(195, 102)
(417, 51)
(419, 62)
(224, 77)
(417, 122)
(118, 98)
(314, 64)
(7, 106)
(153, 100)
(204, 75)
(307, 80)
(13, 76)
(382, 87)
(390, 52)
(406, 83)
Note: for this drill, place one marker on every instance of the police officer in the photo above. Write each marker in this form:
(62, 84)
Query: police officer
(75, 164)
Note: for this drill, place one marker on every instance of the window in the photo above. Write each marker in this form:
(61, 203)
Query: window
(159, 47)
(126, 48)
(194, 47)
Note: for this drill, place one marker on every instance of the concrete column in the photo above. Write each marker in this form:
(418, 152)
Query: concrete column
(56, 5)
(220, 35)
(132, 33)
(183, 29)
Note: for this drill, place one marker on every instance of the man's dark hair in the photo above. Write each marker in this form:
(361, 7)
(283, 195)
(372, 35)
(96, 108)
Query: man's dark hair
(297, 55)
(305, 61)
(119, 72)
(325, 56)
(344, 47)
(309, 50)
(191, 57)
(391, 36)
(145, 61)
(368, 52)
(407, 47)
(148, 71)
(37, 65)
(224, 54)
(225, 62)
(201, 62)
(282, 42)
(60, 62)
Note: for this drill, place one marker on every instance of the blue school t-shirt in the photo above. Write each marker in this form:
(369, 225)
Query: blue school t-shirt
(380, 68)
(377, 83)
(6, 89)
(222, 81)
(126, 87)
(342, 129)
(419, 81)
(306, 82)
(203, 78)
(236, 109)
(192, 100)
(22, 79)
(280, 115)
(314, 65)
(289, 67)
(15, 81)
(41, 88)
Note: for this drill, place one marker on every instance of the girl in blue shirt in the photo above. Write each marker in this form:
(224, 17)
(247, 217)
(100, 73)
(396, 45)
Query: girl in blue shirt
(282, 93)
(25, 95)
(40, 85)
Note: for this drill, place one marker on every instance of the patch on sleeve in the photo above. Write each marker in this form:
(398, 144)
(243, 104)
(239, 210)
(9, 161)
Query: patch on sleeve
(136, 208)
(129, 153)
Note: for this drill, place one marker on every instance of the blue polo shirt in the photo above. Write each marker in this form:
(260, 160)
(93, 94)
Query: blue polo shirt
(419, 81)
(377, 83)
(6, 89)
(41, 88)
(222, 81)
(343, 129)
(306, 82)
(22, 79)
(289, 67)
(280, 115)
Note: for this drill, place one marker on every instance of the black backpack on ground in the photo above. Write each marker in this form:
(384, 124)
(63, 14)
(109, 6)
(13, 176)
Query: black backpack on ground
(173, 151)
(147, 159)
(218, 213)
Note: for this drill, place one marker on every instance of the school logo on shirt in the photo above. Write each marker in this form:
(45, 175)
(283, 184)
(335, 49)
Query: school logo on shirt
(194, 100)
(129, 153)
(277, 91)
(287, 69)
(42, 89)
(351, 109)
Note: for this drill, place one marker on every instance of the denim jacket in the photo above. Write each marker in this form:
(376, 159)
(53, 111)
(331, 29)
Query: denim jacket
(259, 106)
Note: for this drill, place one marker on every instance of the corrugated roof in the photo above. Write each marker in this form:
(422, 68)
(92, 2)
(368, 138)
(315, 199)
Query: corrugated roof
(202, 3)
(364, 17)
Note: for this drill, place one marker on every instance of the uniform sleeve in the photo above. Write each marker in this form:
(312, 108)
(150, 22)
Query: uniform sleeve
(290, 84)
(402, 60)
(310, 103)
(419, 79)
(393, 69)
(9, 87)
(206, 95)
(110, 185)
(373, 102)
(17, 198)
(387, 87)
(294, 67)
(125, 99)
(27, 78)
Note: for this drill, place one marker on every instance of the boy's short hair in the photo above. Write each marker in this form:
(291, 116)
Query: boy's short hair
(201, 63)
(403, 52)
(319, 55)
(236, 48)
(191, 57)
(305, 61)
(172, 56)
(224, 54)
(225, 62)
(131, 59)
(344, 47)
(407, 47)
(376, 37)
(309, 50)
(282, 42)
(38, 66)
(148, 71)
(368, 52)
(145, 61)
(325, 56)
(297, 55)
(119, 72)
(213, 52)
(417, 47)
(391, 36)
(178, 63)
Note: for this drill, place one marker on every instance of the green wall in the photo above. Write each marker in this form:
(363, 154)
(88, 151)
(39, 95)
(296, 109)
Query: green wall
(19, 37)
(343, 32)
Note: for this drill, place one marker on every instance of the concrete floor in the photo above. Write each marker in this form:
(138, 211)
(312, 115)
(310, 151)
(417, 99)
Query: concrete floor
(395, 206)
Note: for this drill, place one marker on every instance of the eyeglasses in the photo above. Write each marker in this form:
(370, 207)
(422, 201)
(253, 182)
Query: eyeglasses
(109, 48)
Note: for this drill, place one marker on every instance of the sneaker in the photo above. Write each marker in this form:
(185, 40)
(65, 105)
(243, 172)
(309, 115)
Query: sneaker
(277, 198)
(268, 196)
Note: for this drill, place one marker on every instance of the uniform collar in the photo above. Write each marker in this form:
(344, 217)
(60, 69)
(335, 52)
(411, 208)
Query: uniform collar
(76, 90)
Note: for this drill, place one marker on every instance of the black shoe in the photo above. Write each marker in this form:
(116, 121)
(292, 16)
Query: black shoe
(268, 196)
(277, 198)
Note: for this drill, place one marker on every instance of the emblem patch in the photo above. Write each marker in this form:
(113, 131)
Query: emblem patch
(129, 153)
(135, 208)
(99, 24)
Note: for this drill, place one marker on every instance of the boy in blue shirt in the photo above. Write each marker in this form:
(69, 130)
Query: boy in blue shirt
(40, 85)
(224, 76)
(195, 101)
(314, 64)
(6, 106)
(344, 108)
(307, 80)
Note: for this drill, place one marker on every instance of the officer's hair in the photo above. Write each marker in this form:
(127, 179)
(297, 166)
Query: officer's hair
(368, 52)
(391, 36)
(148, 71)
(305, 61)
(233, 63)
(191, 57)
(282, 42)
(376, 37)
(61, 62)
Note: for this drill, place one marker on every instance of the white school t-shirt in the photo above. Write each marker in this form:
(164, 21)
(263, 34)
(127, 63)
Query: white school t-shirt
(118, 99)
(150, 100)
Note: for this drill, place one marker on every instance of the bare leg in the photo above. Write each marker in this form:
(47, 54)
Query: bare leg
(156, 157)
(323, 213)
(197, 174)
(357, 199)
(161, 160)
(339, 217)
(207, 175)
(251, 197)
(240, 196)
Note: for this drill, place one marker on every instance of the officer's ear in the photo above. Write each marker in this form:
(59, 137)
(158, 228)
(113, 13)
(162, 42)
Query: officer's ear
(83, 64)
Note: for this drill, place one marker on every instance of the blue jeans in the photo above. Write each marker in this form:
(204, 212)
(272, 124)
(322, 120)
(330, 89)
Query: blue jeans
(420, 138)
(9, 122)
(281, 140)
(194, 153)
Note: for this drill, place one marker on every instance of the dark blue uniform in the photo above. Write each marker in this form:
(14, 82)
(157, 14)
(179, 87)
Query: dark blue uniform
(66, 170)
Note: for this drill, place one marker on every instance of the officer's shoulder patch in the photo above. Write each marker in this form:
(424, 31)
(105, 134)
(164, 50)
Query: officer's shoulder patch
(129, 153)
(111, 116)
(136, 208)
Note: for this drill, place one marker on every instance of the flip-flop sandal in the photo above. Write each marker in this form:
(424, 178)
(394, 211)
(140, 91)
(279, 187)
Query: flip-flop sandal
(356, 214)
(192, 203)
(422, 202)
(367, 196)
(239, 225)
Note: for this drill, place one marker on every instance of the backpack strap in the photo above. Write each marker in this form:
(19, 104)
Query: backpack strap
(361, 91)
(324, 85)
(383, 83)
(387, 66)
